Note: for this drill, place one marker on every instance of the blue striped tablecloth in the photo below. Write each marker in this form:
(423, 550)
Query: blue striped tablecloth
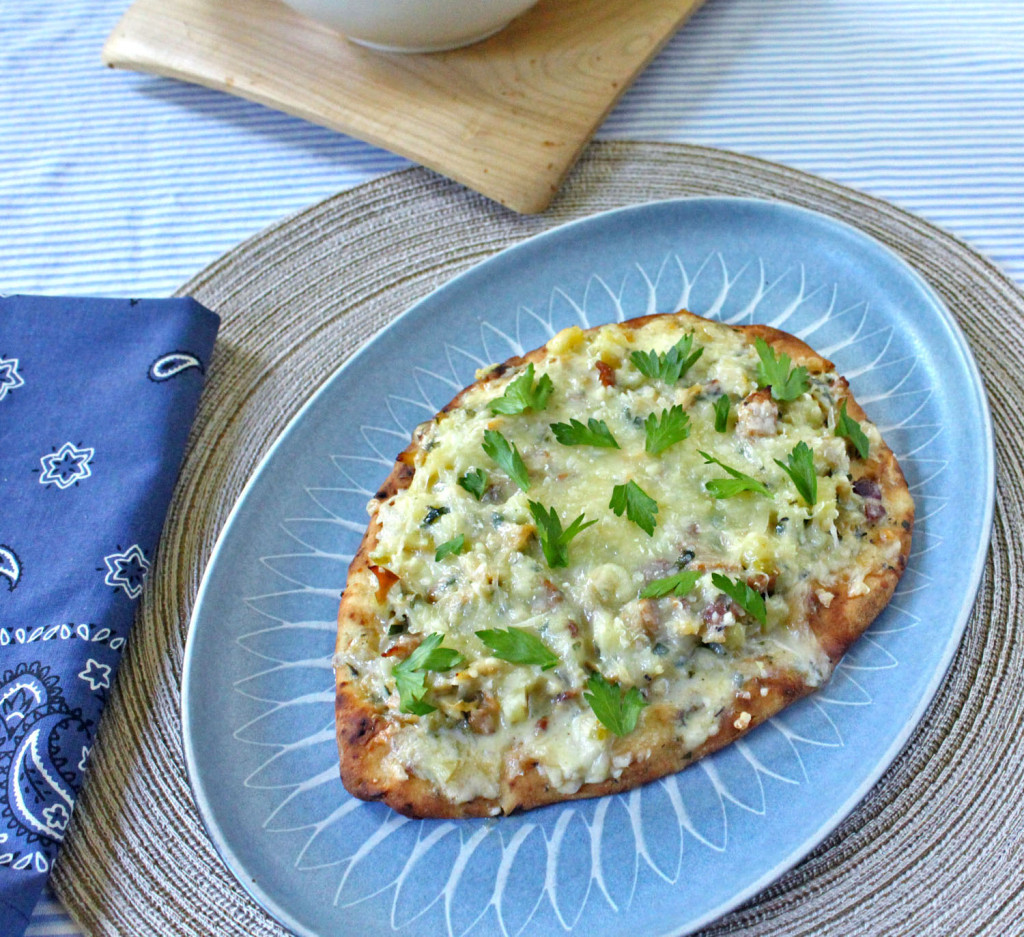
(123, 184)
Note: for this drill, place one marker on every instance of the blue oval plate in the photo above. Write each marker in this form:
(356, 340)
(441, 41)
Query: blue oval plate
(257, 691)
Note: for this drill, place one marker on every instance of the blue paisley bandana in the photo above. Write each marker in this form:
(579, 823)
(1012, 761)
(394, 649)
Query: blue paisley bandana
(96, 400)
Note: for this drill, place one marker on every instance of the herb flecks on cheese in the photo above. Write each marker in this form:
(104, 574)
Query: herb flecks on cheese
(575, 626)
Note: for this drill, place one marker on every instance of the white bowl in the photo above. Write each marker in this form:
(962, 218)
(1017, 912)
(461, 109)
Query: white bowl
(413, 25)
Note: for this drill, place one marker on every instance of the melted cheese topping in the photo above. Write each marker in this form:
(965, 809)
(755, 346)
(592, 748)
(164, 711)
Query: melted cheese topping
(689, 656)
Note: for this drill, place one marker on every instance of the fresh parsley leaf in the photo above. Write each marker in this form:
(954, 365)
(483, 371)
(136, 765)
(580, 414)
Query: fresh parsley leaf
(431, 656)
(521, 396)
(722, 413)
(507, 456)
(671, 365)
(451, 547)
(750, 600)
(775, 373)
(475, 482)
(519, 646)
(680, 584)
(410, 674)
(639, 506)
(412, 687)
(618, 710)
(847, 426)
(574, 433)
(728, 487)
(553, 540)
(673, 427)
(801, 470)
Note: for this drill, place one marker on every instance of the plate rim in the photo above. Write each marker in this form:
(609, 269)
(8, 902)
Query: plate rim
(228, 855)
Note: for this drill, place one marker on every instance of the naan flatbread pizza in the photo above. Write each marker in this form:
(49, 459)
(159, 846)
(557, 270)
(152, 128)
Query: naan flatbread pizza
(606, 559)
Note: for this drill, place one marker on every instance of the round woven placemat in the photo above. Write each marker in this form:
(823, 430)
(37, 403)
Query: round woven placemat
(937, 847)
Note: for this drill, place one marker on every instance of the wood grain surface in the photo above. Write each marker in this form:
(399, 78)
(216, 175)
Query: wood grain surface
(507, 117)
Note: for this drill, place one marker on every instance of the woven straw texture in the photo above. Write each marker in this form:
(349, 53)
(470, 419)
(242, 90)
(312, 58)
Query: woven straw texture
(937, 847)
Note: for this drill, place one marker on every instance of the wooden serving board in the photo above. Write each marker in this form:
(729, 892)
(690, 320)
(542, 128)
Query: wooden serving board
(508, 116)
